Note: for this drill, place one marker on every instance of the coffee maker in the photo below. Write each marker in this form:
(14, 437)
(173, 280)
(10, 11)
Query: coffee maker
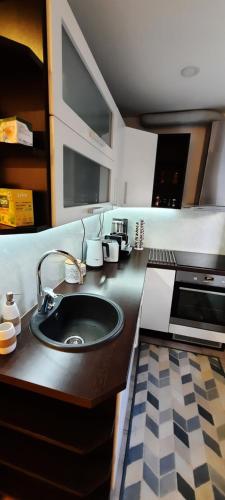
(120, 234)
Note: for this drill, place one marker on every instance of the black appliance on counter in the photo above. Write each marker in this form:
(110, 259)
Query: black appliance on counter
(120, 234)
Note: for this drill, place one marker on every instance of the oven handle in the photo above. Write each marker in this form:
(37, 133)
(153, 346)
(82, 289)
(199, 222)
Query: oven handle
(200, 291)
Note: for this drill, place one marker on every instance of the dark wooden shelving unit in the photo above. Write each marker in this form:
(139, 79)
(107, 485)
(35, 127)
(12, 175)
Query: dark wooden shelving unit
(60, 468)
(57, 445)
(170, 169)
(24, 93)
(80, 435)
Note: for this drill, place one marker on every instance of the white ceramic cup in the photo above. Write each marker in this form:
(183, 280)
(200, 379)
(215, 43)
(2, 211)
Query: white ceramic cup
(8, 338)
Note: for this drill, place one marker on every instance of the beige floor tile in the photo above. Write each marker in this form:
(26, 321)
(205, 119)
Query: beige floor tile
(151, 441)
(134, 472)
(140, 397)
(217, 478)
(216, 462)
(165, 430)
(147, 493)
(151, 458)
(184, 469)
(204, 492)
(182, 450)
(166, 446)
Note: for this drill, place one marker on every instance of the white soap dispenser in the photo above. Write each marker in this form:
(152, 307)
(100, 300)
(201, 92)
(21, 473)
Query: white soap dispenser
(10, 312)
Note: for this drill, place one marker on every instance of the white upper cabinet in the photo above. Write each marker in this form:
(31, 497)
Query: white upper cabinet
(138, 168)
(78, 94)
(81, 176)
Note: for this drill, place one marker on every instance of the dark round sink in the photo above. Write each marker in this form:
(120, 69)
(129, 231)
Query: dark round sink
(78, 322)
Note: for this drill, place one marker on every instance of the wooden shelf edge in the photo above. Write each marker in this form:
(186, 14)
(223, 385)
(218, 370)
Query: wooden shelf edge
(56, 485)
(4, 230)
(60, 444)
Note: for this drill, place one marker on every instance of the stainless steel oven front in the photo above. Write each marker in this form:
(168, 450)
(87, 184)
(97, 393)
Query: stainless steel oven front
(198, 308)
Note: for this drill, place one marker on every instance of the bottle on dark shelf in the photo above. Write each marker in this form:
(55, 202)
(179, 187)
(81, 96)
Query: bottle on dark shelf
(157, 201)
(175, 179)
(162, 177)
(174, 203)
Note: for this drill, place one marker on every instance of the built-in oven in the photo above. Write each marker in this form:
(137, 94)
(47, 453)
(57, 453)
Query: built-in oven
(198, 308)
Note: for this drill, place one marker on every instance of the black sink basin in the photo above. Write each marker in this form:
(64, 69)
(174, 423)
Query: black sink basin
(78, 322)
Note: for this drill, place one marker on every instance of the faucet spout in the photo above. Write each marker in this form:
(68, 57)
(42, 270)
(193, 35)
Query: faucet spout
(45, 296)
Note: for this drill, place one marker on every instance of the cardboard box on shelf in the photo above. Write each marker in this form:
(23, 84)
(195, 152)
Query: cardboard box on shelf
(16, 207)
(14, 130)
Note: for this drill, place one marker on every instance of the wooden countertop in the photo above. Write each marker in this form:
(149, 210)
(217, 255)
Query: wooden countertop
(86, 378)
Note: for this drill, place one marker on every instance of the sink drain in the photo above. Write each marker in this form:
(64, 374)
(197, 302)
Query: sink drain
(74, 339)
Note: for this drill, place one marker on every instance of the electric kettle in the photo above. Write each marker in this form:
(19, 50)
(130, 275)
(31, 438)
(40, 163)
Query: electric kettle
(94, 257)
(110, 250)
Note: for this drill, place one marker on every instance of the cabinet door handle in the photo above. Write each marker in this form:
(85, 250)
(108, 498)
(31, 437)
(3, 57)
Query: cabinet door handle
(125, 193)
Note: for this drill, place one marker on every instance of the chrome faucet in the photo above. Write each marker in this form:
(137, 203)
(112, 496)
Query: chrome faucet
(46, 296)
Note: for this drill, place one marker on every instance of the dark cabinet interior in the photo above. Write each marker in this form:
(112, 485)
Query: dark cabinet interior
(54, 450)
(170, 169)
(24, 93)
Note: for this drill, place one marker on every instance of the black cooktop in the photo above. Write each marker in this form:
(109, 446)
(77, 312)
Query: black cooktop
(178, 259)
(200, 260)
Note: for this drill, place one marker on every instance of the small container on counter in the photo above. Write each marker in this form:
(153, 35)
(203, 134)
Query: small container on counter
(71, 272)
(10, 312)
(8, 338)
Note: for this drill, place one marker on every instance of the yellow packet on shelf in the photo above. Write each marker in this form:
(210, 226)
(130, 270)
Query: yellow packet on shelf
(16, 207)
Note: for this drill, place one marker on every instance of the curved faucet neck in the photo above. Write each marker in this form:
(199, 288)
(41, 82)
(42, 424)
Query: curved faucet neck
(40, 291)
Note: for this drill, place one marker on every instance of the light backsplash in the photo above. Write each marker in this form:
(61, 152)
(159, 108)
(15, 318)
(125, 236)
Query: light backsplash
(189, 230)
(21, 253)
(192, 230)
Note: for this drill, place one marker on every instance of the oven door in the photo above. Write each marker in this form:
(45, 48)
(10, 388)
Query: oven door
(198, 311)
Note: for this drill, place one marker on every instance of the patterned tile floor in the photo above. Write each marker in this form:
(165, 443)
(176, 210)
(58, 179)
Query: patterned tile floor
(177, 441)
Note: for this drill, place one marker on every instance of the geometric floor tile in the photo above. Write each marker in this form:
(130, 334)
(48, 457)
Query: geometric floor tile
(176, 445)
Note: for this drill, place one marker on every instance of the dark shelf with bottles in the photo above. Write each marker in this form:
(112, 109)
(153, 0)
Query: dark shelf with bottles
(170, 169)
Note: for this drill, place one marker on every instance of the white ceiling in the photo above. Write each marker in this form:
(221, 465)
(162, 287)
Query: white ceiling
(141, 45)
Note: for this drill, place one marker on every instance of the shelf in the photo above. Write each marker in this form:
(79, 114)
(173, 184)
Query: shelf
(18, 60)
(84, 430)
(18, 485)
(38, 149)
(56, 467)
(4, 230)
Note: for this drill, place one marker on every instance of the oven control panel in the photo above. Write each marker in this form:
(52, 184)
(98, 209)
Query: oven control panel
(201, 278)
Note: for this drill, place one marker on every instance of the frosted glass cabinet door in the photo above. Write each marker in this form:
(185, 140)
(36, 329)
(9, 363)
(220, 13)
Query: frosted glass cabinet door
(84, 181)
(81, 93)
(78, 94)
(81, 176)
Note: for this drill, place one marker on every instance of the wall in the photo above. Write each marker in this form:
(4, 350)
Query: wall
(186, 229)
(21, 253)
